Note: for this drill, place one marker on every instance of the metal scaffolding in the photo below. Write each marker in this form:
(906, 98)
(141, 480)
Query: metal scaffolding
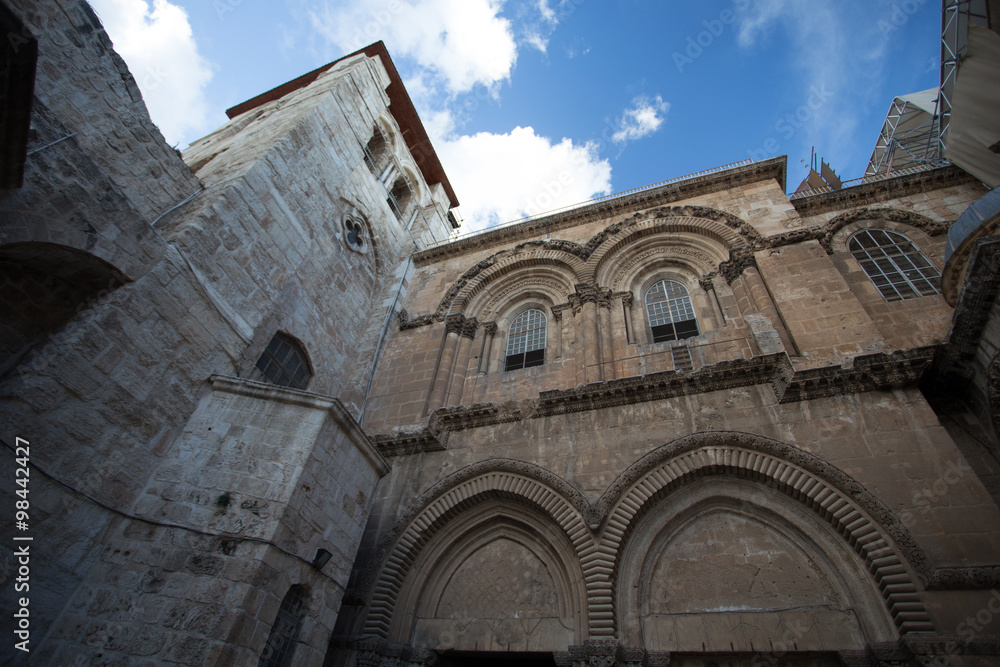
(915, 131)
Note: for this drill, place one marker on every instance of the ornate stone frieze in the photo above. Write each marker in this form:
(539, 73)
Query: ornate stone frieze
(661, 253)
(965, 578)
(405, 443)
(406, 323)
(373, 652)
(601, 653)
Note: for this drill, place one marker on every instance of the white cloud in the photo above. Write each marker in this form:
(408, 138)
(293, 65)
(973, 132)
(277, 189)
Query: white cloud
(464, 42)
(502, 177)
(642, 119)
(159, 47)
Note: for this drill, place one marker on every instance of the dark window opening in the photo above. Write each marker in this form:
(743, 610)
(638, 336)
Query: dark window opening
(524, 360)
(675, 331)
(18, 57)
(284, 363)
(280, 647)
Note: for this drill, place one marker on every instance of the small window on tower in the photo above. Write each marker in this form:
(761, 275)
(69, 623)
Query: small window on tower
(285, 363)
(280, 648)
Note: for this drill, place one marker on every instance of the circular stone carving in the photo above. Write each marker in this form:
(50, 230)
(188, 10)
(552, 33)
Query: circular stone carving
(356, 236)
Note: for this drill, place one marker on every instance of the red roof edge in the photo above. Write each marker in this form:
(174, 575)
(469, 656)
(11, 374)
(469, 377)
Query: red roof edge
(400, 106)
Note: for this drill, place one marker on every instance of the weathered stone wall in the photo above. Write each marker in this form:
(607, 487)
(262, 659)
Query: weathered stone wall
(148, 308)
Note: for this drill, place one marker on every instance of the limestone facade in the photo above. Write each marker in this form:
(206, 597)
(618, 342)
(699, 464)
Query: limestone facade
(785, 486)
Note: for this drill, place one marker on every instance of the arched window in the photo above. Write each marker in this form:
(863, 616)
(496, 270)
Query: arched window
(285, 363)
(526, 341)
(671, 315)
(894, 264)
(280, 647)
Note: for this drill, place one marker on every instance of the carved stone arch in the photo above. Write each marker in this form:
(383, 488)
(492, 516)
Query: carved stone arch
(491, 296)
(467, 592)
(750, 235)
(554, 261)
(129, 252)
(708, 240)
(433, 510)
(411, 172)
(389, 128)
(727, 550)
(907, 218)
(874, 533)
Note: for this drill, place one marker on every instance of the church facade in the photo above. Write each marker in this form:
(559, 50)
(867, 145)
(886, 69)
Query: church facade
(274, 411)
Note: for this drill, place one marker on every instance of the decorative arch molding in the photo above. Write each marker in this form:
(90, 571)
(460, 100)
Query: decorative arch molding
(869, 527)
(508, 479)
(922, 222)
(545, 267)
(575, 255)
(707, 242)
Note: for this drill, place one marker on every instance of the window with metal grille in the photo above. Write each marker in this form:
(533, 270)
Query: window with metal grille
(671, 315)
(284, 363)
(896, 268)
(284, 635)
(526, 341)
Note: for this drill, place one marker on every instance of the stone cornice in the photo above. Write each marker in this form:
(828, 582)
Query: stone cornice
(880, 191)
(869, 372)
(332, 406)
(623, 205)
(405, 443)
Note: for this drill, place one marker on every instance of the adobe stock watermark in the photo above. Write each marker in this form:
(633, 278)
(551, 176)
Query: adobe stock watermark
(378, 20)
(696, 44)
(898, 17)
(954, 472)
(225, 7)
(790, 123)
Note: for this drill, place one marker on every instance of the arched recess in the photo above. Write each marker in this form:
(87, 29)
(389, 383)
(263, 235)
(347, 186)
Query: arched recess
(876, 536)
(733, 553)
(555, 269)
(450, 507)
(703, 244)
(44, 286)
(501, 576)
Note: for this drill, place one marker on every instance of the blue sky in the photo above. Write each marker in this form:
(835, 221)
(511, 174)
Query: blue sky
(535, 104)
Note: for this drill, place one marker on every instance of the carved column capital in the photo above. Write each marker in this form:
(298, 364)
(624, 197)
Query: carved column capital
(740, 259)
(626, 297)
(454, 323)
(557, 311)
(707, 281)
(490, 328)
(469, 328)
(591, 293)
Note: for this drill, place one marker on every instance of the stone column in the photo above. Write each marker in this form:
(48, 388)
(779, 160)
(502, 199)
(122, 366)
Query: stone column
(489, 331)
(593, 298)
(446, 362)
(461, 370)
(557, 330)
(606, 339)
(708, 284)
(758, 290)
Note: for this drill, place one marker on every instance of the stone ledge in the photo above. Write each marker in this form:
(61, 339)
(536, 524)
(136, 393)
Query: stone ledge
(869, 372)
(332, 406)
